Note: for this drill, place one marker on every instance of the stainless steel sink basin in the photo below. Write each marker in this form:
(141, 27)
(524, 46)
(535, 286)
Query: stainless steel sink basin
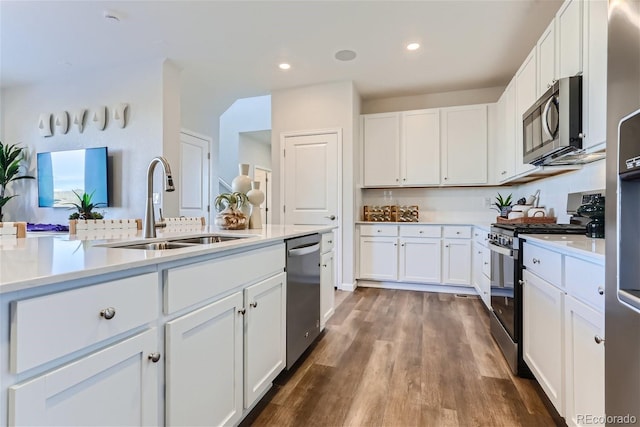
(156, 246)
(177, 243)
(204, 240)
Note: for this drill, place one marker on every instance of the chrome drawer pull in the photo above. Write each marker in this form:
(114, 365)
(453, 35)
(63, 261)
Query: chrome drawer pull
(154, 357)
(598, 340)
(242, 311)
(536, 261)
(108, 313)
(253, 304)
(600, 290)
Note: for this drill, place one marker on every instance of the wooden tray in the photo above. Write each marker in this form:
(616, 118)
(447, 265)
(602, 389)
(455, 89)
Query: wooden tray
(527, 220)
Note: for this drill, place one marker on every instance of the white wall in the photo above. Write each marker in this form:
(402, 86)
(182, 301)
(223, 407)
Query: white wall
(254, 150)
(130, 149)
(432, 100)
(245, 115)
(326, 106)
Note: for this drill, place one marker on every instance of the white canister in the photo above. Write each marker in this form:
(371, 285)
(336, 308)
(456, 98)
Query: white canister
(537, 212)
(515, 215)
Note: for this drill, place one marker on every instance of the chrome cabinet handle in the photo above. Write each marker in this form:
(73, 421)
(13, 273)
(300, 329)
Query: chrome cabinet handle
(536, 261)
(331, 217)
(255, 304)
(598, 340)
(503, 173)
(486, 263)
(329, 241)
(600, 290)
(324, 265)
(154, 357)
(521, 282)
(404, 179)
(421, 231)
(445, 178)
(457, 232)
(582, 135)
(397, 179)
(108, 313)
(242, 311)
(402, 245)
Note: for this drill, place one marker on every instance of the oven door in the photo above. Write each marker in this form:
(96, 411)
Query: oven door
(503, 268)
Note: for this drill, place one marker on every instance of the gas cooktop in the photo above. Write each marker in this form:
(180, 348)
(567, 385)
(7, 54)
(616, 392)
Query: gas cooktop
(542, 228)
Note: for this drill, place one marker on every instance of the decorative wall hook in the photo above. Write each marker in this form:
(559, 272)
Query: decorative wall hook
(99, 117)
(61, 122)
(44, 124)
(77, 119)
(120, 114)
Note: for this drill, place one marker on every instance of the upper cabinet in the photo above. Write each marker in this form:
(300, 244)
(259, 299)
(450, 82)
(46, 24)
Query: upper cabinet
(569, 38)
(504, 146)
(440, 146)
(526, 95)
(594, 82)
(546, 48)
(464, 145)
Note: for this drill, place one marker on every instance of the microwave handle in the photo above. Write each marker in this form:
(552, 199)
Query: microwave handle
(545, 121)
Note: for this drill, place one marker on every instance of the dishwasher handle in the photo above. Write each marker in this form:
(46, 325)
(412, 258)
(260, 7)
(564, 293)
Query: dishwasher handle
(304, 250)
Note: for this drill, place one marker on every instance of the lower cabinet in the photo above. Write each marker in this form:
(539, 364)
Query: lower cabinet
(420, 260)
(114, 386)
(379, 258)
(584, 362)
(211, 384)
(481, 272)
(327, 287)
(456, 256)
(543, 335)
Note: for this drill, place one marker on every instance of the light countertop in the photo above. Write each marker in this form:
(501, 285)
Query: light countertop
(578, 245)
(483, 225)
(35, 261)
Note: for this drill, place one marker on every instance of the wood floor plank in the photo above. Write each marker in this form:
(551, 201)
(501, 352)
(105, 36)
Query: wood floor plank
(403, 358)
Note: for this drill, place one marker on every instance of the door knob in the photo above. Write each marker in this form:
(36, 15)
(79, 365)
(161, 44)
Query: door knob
(331, 217)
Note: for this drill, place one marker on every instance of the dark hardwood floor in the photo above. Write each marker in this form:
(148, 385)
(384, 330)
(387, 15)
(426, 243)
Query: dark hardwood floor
(403, 358)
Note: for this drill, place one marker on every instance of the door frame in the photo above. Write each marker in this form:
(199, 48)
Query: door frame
(337, 232)
(268, 201)
(209, 140)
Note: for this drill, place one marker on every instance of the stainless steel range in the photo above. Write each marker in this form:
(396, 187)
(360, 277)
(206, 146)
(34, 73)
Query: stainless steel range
(505, 242)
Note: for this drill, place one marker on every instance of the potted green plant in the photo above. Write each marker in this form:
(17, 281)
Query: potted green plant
(229, 216)
(85, 207)
(502, 205)
(10, 158)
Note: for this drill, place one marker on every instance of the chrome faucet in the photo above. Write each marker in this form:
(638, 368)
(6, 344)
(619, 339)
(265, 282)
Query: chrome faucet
(149, 215)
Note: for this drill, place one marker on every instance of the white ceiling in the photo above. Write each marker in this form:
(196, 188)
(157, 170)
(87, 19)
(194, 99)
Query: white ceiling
(232, 48)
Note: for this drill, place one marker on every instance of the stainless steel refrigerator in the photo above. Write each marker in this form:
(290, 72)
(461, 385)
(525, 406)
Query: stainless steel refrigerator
(622, 313)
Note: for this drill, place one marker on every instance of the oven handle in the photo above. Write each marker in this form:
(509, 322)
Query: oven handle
(500, 250)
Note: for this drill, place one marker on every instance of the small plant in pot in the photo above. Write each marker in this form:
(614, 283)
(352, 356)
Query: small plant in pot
(85, 207)
(503, 205)
(11, 156)
(230, 215)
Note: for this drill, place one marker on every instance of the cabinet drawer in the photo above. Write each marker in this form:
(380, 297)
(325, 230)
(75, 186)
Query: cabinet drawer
(543, 262)
(45, 328)
(585, 281)
(194, 283)
(421, 231)
(326, 242)
(457, 232)
(480, 236)
(378, 230)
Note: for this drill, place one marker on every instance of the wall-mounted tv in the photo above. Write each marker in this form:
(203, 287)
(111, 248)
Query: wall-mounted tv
(60, 173)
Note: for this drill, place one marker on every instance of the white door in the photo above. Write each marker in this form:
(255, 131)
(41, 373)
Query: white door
(193, 182)
(310, 179)
(263, 176)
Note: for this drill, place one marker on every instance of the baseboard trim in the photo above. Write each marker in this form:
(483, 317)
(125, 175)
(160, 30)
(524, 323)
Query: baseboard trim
(446, 289)
(349, 287)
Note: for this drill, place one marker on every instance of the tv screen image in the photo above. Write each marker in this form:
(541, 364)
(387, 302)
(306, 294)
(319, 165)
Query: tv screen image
(60, 173)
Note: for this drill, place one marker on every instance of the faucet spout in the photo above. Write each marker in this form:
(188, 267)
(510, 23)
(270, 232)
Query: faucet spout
(149, 215)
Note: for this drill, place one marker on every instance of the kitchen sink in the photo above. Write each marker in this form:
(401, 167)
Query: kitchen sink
(155, 246)
(176, 243)
(204, 240)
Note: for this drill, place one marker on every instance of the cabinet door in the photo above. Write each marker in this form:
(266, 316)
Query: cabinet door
(265, 335)
(464, 145)
(420, 260)
(543, 335)
(584, 361)
(420, 148)
(327, 288)
(379, 258)
(569, 38)
(526, 95)
(476, 267)
(546, 59)
(116, 386)
(381, 136)
(594, 83)
(457, 262)
(204, 365)
(507, 146)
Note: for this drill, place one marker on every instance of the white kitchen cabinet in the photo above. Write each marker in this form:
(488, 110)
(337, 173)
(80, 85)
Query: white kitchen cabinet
(420, 260)
(526, 95)
(505, 147)
(569, 38)
(327, 278)
(476, 266)
(379, 258)
(402, 148)
(456, 265)
(543, 335)
(584, 361)
(204, 365)
(464, 144)
(116, 386)
(381, 146)
(546, 51)
(264, 336)
(594, 82)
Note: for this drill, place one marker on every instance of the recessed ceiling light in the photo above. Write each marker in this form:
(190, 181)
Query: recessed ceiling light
(345, 55)
(413, 46)
(284, 66)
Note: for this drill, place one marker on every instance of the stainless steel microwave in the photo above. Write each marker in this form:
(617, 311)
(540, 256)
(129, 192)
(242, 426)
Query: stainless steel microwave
(552, 127)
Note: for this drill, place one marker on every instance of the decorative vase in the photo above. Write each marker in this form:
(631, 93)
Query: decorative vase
(231, 219)
(242, 182)
(256, 198)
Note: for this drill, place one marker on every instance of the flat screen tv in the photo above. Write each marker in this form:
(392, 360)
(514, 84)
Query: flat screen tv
(60, 173)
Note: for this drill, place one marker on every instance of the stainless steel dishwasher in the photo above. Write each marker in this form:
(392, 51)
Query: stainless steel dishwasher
(303, 294)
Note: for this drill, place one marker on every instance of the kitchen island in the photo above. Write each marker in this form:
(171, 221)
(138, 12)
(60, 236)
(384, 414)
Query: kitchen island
(94, 334)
